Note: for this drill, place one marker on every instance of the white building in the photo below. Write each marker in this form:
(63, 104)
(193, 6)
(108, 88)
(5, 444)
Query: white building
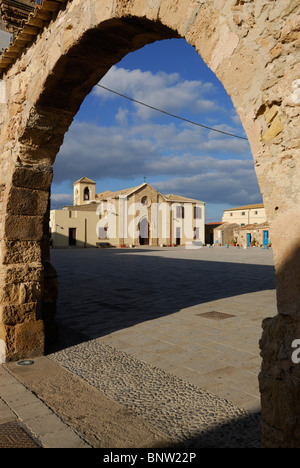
(130, 217)
(247, 214)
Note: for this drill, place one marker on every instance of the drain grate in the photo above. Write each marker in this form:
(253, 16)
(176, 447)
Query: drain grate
(14, 436)
(214, 315)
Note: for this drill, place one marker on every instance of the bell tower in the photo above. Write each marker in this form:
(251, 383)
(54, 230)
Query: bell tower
(84, 191)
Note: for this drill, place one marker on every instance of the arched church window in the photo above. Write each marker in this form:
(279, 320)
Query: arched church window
(86, 194)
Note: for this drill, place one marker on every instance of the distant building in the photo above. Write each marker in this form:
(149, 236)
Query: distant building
(253, 235)
(209, 232)
(224, 234)
(247, 214)
(245, 226)
(130, 217)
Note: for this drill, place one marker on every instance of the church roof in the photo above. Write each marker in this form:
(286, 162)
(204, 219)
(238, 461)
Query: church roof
(180, 199)
(129, 191)
(84, 180)
(118, 193)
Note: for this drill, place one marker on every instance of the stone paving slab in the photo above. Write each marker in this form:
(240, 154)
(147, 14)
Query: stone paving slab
(69, 412)
(199, 349)
(20, 407)
(186, 414)
(131, 347)
(124, 305)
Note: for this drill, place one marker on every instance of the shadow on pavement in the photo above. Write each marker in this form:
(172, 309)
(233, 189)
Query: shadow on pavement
(242, 432)
(102, 291)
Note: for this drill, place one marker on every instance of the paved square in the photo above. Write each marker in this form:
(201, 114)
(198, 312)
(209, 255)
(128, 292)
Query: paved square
(147, 303)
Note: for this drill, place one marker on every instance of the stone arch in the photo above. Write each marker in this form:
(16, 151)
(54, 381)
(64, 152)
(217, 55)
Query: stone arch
(253, 48)
(144, 230)
(86, 194)
(147, 228)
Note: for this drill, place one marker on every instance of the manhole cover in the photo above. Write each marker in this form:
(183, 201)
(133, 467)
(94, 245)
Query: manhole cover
(214, 315)
(14, 436)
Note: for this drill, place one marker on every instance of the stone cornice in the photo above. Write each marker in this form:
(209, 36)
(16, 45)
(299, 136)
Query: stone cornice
(29, 31)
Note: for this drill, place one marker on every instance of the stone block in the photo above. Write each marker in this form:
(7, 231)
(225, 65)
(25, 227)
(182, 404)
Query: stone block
(33, 155)
(23, 340)
(21, 273)
(23, 227)
(13, 314)
(271, 437)
(270, 114)
(274, 130)
(29, 339)
(14, 252)
(280, 409)
(27, 202)
(20, 293)
(34, 177)
(12, 293)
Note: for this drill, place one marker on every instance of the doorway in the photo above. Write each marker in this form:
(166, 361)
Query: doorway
(266, 238)
(144, 232)
(72, 237)
(248, 240)
(178, 236)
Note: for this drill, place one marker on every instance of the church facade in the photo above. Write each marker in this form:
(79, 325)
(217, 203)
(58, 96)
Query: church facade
(137, 216)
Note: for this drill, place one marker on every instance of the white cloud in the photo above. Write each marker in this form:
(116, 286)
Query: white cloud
(151, 149)
(122, 116)
(195, 162)
(181, 156)
(60, 199)
(236, 186)
(164, 91)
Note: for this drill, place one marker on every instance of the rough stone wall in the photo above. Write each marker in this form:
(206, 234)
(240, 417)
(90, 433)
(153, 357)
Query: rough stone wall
(253, 48)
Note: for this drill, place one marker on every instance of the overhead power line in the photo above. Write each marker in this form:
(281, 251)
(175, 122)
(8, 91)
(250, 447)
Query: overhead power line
(172, 115)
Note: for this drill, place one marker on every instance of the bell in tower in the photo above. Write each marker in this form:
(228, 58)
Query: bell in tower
(84, 191)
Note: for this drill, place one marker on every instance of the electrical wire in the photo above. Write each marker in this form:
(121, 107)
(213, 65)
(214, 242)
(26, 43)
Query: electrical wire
(171, 115)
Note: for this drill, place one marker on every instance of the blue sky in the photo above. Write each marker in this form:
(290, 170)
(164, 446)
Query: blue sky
(117, 142)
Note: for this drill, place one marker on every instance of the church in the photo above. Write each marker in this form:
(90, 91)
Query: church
(138, 216)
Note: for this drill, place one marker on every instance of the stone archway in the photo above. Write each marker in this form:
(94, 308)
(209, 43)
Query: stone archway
(253, 48)
(144, 231)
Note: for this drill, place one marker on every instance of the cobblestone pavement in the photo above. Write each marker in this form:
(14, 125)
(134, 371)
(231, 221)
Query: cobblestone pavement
(187, 415)
(132, 327)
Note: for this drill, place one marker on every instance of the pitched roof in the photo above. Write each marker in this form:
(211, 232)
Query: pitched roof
(84, 180)
(118, 193)
(214, 223)
(129, 191)
(246, 207)
(253, 226)
(226, 226)
(179, 198)
(103, 194)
